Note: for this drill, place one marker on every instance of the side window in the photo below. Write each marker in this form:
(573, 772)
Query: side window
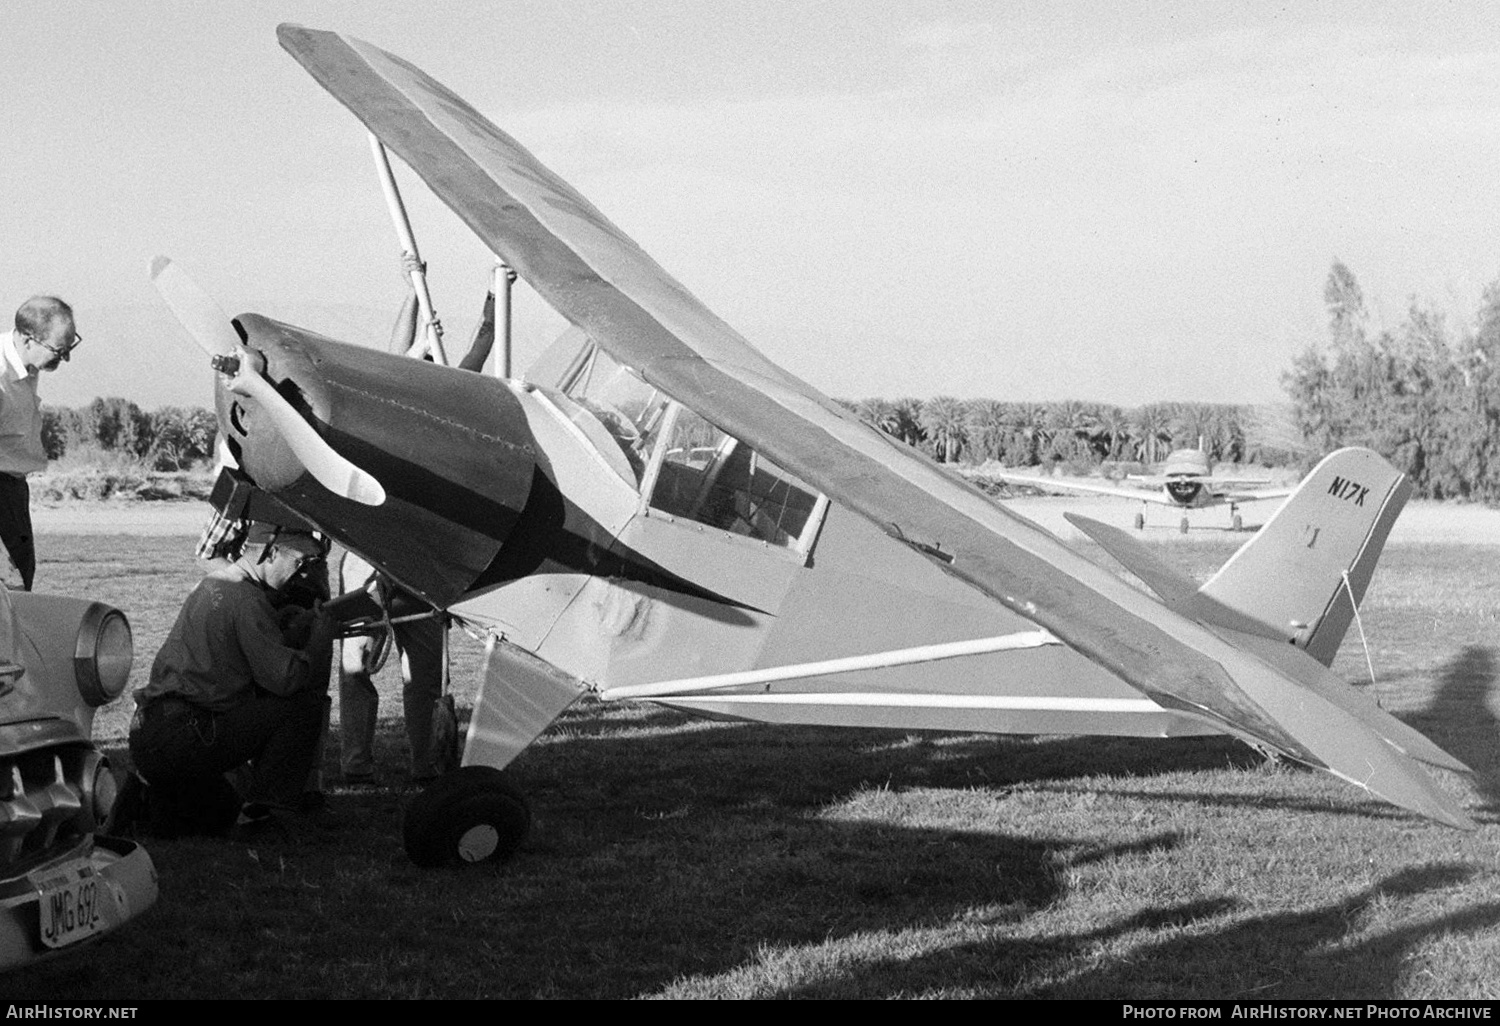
(714, 479)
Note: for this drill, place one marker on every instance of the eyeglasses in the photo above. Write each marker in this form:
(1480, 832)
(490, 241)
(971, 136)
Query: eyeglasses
(304, 561)
(65, 350)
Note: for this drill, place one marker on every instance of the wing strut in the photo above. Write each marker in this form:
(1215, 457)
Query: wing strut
(827, 667)
(434, 341)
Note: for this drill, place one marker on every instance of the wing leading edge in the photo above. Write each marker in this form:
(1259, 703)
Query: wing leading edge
(601, 281)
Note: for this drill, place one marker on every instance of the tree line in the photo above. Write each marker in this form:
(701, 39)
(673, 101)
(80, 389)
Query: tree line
(1425, 395)
(1081, 434)
(171, 438)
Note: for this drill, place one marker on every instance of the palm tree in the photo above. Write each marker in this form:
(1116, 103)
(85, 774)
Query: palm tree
(909, 420)
(1112, 432)
(1153, 430)
(880, 413)
(1072, 424)
(943, 420)
(986, 425)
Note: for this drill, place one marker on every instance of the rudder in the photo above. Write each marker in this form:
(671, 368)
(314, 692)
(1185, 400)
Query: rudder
(1297, 574)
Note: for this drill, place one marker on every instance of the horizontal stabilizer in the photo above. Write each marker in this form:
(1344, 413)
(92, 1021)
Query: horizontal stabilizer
(1179, 591)
(1338, 739)
(1171, 584)
(1311, 674)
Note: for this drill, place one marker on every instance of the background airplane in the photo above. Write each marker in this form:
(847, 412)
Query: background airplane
(658, 512)
(1185, 481)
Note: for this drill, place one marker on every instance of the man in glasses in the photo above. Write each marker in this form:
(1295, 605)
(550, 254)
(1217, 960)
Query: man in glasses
(43, 339)
(235, 684)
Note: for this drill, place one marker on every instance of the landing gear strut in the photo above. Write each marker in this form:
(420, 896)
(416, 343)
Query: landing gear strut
(470, 813)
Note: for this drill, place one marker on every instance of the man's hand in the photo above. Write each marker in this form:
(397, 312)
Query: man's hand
(321, 628)
(296, 623)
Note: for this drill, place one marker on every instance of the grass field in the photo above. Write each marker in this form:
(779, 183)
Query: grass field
(681, 858)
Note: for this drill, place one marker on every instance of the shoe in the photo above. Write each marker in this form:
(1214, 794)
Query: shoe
(258, 824)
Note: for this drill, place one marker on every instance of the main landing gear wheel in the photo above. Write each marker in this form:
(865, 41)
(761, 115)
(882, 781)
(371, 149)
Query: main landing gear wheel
(1238, 523)
(473, 814)
(1182, 527)
(1140, 521)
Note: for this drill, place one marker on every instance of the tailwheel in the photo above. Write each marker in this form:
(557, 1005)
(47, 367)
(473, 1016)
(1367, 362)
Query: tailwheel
(473, 814)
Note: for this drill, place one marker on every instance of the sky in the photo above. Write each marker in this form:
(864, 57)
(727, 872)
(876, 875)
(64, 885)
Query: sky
(1103, 201)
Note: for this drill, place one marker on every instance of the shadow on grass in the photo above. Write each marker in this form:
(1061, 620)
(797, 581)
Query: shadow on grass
(1461, 718)
(683, 851)
(1285, 956)
(668, 849)
(1269, 801)
(1282, 956)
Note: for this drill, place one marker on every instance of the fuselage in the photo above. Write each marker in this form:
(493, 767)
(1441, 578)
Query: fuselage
(599, 524)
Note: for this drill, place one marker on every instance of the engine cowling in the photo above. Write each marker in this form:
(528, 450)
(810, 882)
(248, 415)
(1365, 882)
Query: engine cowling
(451, 448)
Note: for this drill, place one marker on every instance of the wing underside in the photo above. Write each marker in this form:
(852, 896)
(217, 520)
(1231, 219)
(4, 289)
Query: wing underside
(1240, 498)
(601, 281)
(1069, 485)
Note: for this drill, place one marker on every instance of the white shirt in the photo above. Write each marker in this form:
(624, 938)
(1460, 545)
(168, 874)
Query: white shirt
(21, 449)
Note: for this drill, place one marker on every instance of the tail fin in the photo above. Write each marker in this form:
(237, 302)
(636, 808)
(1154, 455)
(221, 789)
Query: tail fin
(1308, 567)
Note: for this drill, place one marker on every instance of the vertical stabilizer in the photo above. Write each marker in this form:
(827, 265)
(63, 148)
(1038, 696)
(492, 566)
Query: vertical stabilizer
(1297, 574)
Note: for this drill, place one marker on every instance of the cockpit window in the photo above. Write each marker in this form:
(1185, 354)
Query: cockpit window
(714, 479)
(630, 410)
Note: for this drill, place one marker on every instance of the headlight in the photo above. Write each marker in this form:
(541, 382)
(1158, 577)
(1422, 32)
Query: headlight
(103, 790)
(104, 654)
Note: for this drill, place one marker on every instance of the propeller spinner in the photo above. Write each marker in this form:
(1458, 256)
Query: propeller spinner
(215, 334)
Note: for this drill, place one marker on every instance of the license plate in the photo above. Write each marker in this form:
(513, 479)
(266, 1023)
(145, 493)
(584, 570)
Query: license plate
(72, 905)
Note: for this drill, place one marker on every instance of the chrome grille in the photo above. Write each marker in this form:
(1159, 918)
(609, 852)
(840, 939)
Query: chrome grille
(46, 800)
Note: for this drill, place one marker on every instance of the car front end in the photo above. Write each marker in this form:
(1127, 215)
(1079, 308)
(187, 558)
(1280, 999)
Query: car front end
(63, 880)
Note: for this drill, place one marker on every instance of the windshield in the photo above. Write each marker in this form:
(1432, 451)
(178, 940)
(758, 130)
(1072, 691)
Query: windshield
(630, 410)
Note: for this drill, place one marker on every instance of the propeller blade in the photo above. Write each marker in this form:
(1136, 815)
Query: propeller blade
(207, 325)
(330, 469)
(215, 334)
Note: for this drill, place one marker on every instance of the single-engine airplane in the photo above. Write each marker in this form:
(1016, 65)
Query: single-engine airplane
(1185, 481)
(658, 512)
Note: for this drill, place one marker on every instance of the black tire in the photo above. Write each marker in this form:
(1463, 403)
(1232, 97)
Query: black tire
(1182, 528)
(1239, 524)
(1140, 521)
(473, 814)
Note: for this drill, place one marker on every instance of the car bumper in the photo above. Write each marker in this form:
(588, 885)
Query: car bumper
(89, 892)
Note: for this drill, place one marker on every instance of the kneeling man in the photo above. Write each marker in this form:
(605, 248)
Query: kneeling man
(236, 683)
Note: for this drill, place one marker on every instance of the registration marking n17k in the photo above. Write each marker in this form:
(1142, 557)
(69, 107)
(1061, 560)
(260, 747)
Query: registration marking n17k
(1347, 490)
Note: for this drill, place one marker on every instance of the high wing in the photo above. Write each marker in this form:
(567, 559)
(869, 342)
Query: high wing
(1240, 498)
(1071, 484)
(602, 282)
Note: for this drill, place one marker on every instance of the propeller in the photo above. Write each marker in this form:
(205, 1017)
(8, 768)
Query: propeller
(215, 334)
